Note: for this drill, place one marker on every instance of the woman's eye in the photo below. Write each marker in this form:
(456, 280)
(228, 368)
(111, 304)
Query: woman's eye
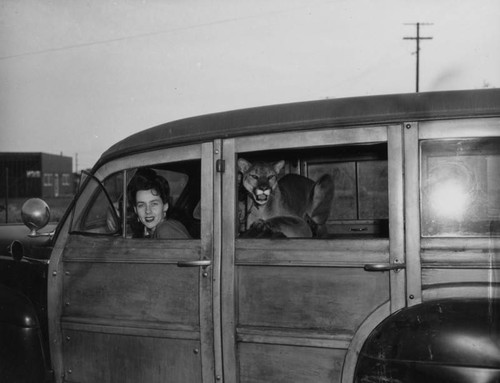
(254, 177)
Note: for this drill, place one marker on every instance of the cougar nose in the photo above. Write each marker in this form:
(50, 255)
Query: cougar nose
(265, 191)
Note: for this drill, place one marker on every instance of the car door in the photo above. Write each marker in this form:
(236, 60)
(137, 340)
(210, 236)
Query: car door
(125, 309)
(298, 310)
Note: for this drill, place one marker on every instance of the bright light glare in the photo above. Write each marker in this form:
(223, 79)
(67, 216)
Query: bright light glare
(449, 200)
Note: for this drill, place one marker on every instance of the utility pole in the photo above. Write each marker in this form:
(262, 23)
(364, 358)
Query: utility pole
(417, 39)
(6, 195)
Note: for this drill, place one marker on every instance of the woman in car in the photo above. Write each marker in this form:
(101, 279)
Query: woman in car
(149, 194)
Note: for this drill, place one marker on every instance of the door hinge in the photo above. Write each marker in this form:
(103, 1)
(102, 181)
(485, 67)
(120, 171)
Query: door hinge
(220, 166)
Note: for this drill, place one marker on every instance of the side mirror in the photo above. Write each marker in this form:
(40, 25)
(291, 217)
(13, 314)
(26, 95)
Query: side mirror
(35, 214)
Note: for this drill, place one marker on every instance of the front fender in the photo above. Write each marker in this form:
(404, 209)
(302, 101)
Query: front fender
(34, 247)
(22, 357)
(452, 340)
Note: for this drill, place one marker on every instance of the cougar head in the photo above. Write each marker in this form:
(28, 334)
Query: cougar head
(260, 179)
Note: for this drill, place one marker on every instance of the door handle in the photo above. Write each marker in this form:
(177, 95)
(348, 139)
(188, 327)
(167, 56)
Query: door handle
(199, 263)
(384, 266)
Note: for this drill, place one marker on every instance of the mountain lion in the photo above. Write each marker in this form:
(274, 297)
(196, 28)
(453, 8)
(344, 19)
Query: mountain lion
(292, 206)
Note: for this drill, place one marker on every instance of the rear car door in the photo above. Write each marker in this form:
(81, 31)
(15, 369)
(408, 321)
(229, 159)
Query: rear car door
(298, 310)
(121, 308)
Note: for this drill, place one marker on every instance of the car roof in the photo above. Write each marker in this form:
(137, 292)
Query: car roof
(311, 115)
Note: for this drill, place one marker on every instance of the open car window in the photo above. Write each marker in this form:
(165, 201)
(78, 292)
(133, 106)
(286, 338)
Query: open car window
(330, 192)
(107, 210)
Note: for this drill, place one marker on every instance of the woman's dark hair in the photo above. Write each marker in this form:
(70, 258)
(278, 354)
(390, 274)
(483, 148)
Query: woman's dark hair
(148, 179)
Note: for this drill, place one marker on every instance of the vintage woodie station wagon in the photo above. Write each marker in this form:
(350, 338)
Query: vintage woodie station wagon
(401, 285)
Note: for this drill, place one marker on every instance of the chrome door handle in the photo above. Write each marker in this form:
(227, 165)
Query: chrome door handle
(199, 263)
(384, 266)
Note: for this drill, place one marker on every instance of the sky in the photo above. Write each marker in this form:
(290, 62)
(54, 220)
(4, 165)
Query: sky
(77, 76)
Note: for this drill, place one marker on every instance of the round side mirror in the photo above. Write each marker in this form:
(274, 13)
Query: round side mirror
(35, 214)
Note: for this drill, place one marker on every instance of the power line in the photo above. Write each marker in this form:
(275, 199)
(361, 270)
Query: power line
(417, 39)
(148, 34)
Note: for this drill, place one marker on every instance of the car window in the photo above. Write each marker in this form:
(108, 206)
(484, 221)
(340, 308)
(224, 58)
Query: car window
(339, 192)
(101, 216)
(104, 214)
(460, 187)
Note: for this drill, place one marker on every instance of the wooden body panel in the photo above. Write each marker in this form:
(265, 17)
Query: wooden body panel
(300, 302)
(326, 299)
(107, 357)
(262, 363)
(115, 302)
(460, 283)
(132, 292)
(467, 267)
(151, 288)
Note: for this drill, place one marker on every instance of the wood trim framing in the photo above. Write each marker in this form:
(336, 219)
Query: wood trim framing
(396, 215)
(465, 128)
(228, 283)
(412, 214)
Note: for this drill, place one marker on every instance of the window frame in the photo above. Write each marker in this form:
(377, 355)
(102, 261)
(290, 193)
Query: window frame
(320, 138)
(152, 158)
(451, 129)
(445, 150)
(47, 179)
(89, 204)
(65, 179)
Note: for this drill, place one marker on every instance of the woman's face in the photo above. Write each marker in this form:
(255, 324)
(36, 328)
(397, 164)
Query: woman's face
(150, 208)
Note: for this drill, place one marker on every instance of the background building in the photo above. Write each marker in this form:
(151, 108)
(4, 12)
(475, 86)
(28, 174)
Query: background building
(26, 175)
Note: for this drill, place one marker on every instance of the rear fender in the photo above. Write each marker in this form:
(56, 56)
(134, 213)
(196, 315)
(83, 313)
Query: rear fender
(449, 340)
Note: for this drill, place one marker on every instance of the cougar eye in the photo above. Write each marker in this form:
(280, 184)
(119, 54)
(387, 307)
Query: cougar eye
(271, 177)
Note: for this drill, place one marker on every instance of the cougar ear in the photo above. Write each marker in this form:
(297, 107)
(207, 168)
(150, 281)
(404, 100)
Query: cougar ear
(243, 165)
(278, 166)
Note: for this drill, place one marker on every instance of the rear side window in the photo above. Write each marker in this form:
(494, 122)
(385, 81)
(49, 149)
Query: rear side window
(460, 186)
(346, 194)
